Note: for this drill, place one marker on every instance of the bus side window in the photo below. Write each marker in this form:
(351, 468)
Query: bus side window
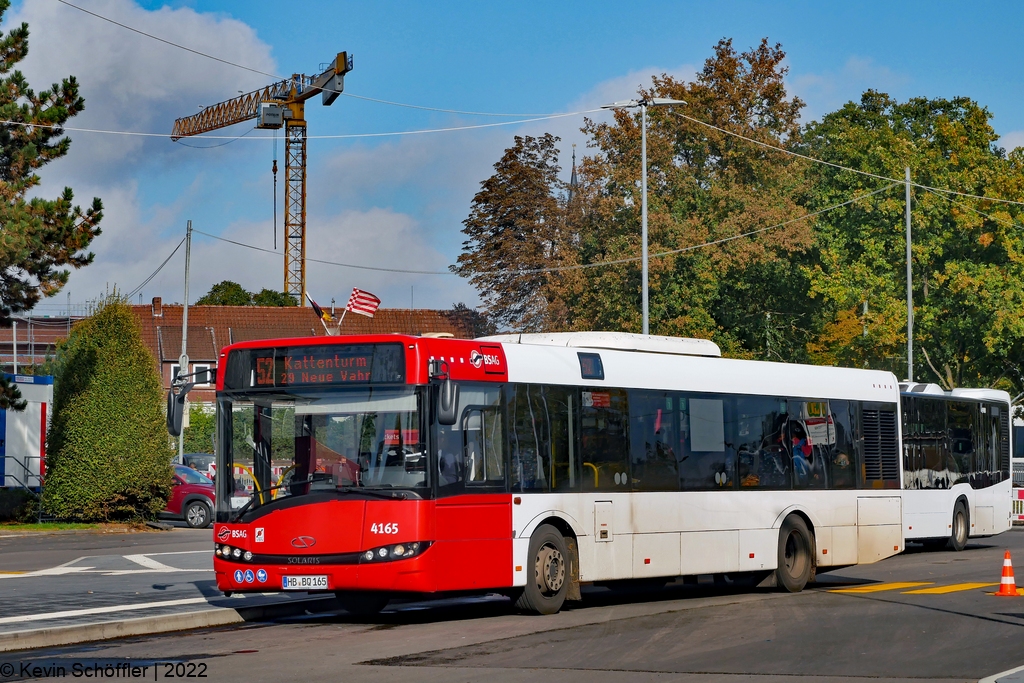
(841, 456)
(704, 461)
(962, 418)
(757, 438)
(483, 462)
(654, 440)
(604, 447)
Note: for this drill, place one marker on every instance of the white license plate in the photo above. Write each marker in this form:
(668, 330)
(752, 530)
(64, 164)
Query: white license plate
(304, 583)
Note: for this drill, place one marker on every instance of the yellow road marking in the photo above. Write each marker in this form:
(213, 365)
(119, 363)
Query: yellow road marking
(878, 587)
(13, 572)
(952, 588)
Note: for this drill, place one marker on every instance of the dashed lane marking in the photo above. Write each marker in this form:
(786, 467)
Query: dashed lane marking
(879, 587)
(952, 588)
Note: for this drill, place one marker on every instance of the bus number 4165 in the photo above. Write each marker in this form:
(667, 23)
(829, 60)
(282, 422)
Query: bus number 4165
(389, 528)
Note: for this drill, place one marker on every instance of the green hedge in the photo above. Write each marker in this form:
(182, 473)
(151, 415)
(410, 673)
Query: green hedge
(108, 451)
(18, 505)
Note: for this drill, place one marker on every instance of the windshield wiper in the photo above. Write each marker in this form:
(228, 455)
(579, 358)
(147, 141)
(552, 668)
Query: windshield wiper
(388, 495)
(252, 497)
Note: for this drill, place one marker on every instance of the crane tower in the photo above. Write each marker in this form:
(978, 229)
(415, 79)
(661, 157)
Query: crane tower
(281, 104)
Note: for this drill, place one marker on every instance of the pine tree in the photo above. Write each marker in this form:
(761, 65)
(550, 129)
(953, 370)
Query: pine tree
(38, 236)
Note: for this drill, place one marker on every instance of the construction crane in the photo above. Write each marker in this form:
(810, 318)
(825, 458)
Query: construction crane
(282, 104)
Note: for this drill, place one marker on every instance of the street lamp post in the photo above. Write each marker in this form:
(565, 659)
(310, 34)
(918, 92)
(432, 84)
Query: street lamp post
(643, 105)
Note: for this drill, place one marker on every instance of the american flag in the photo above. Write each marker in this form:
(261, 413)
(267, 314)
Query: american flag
(362, 302)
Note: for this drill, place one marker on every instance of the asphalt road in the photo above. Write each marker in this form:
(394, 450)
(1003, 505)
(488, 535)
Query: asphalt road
(43, 551)
(921, 615)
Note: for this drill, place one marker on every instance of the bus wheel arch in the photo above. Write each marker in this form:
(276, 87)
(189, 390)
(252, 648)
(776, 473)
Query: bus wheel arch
(796, 553)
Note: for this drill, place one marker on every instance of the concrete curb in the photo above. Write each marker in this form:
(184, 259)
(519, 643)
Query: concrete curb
(56, 636)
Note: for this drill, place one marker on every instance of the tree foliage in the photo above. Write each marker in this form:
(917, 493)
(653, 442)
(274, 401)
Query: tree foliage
(108, 452)
(228, 293)
(38, 236)
(513, 227)
(748, 266)
(202, 426)
(968, 255)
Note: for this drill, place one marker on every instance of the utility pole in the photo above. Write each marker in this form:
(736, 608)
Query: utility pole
(910, 292)
(183, 359)
(14, 337)
(643, 215)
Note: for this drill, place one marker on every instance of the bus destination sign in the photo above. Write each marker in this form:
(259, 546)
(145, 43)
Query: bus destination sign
(325, 365)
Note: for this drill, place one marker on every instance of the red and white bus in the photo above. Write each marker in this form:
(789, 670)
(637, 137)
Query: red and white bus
(387, 465)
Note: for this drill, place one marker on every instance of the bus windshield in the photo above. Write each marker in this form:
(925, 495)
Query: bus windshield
(294, 443)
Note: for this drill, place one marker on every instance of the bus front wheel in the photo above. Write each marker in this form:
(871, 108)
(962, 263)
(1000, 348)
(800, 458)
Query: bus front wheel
(548, 578)
(795, 555)
(961, 527)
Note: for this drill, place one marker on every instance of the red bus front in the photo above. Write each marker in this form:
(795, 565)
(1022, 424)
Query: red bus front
(333, 473)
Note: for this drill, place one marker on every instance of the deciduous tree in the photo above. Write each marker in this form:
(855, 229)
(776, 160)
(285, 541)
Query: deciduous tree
(513, 226)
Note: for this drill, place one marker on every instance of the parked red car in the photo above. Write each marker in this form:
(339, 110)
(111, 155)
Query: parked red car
(192, 498)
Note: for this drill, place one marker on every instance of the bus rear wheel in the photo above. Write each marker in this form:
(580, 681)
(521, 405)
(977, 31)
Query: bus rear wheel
(795, 555)
(362, 604)
(548, 578)
(961, 527)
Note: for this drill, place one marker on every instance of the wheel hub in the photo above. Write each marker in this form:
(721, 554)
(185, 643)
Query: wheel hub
(550, 570)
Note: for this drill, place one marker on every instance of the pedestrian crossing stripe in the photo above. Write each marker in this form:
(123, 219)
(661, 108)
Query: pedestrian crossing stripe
(879, 587)
(953, 588)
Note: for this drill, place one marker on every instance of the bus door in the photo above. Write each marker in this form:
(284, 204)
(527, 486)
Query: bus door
(473, 510)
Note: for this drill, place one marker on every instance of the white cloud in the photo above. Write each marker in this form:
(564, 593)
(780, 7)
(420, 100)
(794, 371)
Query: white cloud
(394, 203)
(1012, 140)
(131, 82)
(828, 90)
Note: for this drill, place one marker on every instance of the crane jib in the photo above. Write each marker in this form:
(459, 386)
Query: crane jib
(283, 105)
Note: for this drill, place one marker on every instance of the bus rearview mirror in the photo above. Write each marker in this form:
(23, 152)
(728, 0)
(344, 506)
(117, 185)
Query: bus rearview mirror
(176, 409)
(448, 403)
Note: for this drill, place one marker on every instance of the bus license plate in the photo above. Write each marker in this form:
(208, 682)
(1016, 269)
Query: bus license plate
(303, 583)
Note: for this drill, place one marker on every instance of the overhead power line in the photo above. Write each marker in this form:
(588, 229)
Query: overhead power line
(277, 77)
(839, 166)
(149, 279)
(532, 117)
(556, 269)
(342, 136)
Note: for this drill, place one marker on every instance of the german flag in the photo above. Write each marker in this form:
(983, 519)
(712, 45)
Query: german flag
(320, 313)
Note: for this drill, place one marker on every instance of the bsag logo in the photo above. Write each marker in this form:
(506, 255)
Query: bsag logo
(224, 534)
(477, 359)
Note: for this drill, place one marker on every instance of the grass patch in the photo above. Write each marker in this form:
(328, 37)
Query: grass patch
(44, 527)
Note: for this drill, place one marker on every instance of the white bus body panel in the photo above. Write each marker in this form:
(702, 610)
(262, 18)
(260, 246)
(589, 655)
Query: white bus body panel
(655, 534)
(706, 532)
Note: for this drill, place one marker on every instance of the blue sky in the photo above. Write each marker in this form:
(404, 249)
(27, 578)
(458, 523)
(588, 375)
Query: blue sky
(398, 202)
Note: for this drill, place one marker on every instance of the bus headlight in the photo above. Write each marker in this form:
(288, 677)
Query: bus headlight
(398, 551)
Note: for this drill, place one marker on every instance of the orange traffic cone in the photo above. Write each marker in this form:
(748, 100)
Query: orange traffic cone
(1007, 586)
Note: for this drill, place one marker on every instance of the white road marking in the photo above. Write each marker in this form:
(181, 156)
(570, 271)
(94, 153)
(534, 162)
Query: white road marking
(126, 572)
(183, 552)
(99, 610)
(149, 563)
